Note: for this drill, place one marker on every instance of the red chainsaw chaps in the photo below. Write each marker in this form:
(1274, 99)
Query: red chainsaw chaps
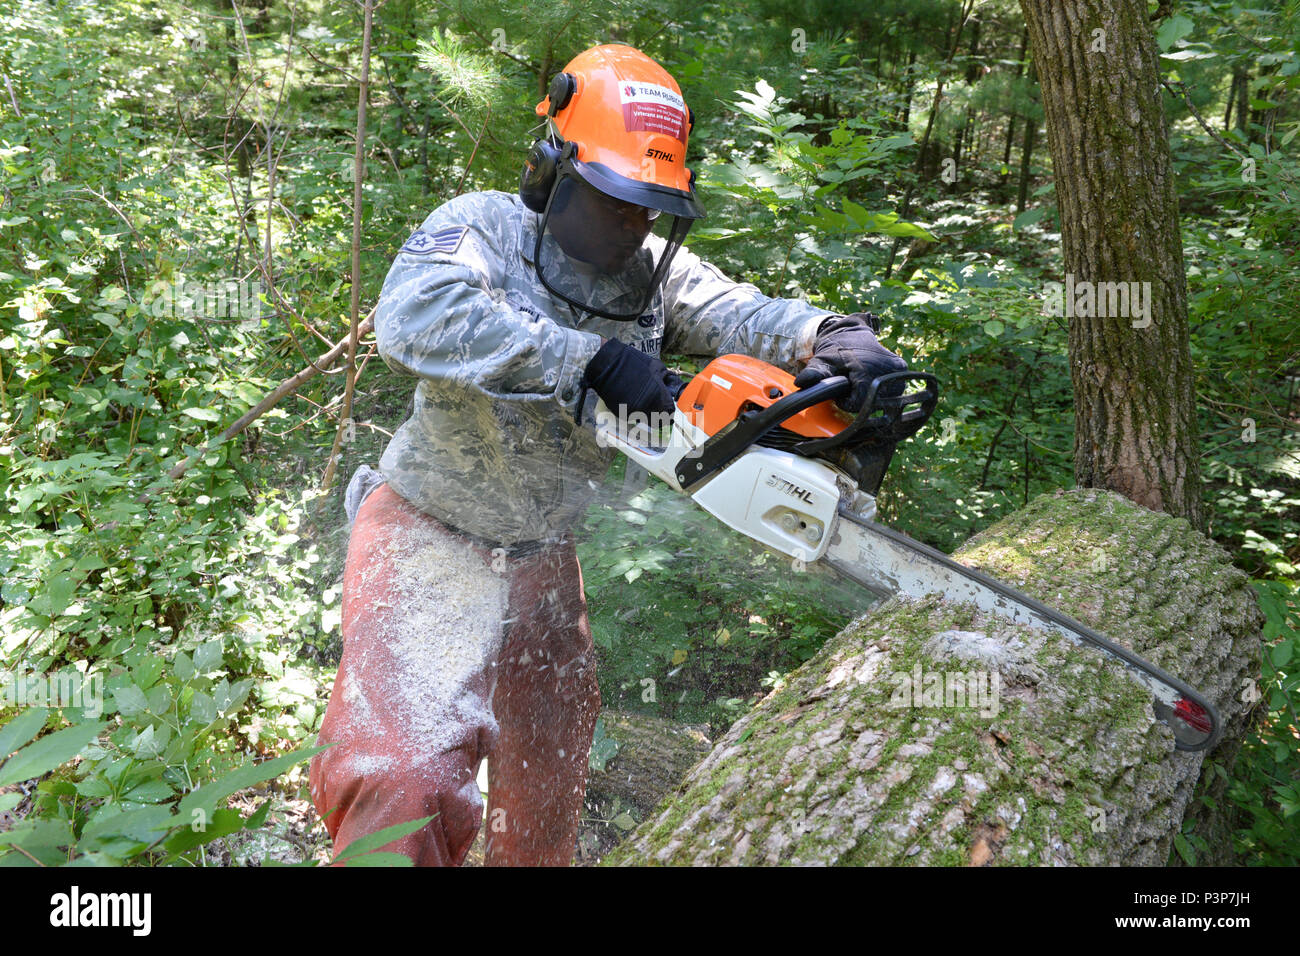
(531, 710)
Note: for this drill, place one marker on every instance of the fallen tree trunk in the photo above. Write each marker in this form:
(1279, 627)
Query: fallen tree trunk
(855, 759)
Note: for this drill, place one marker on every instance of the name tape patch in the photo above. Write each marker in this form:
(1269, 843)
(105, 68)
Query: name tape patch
(445, 241)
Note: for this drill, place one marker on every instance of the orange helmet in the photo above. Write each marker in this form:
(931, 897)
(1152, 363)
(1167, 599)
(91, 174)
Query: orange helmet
(628, 125)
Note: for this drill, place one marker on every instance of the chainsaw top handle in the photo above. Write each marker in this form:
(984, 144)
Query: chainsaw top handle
(883, 421)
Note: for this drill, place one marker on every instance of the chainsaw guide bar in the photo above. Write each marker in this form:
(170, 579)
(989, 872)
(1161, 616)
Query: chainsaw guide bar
(887, 562)
(789, 469)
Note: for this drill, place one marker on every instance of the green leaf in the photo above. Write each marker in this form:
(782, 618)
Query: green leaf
(160, 699)
(203, 708)
(223, 823)
(141, 824)
(58, 592)
(146, 671)
(207, 657)
(130, 700)
(48, 752)
(144, 744)
(202, 414)
(31, 834)
(89, 562)
(1184, 849)
(151, 791)
(889, 224)
(229, 697)
(859, 214)
(95, 787)
(22, 729)
(1282, 653)
(1172, 30)
(1028, 218)
(624, 821)
(380, 838)
(206, 796)
(1189, 54)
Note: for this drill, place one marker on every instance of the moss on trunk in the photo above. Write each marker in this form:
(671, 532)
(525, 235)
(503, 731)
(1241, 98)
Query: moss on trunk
(1065, 765)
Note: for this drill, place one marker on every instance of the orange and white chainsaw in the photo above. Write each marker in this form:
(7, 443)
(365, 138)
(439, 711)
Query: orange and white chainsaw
(789, 469)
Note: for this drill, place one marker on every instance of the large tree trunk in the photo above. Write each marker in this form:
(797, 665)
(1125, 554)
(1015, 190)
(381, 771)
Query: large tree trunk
(1134, 391)
(1069, 767)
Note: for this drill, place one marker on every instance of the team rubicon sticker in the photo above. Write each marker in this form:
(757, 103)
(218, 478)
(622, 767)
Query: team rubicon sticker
(655, 109)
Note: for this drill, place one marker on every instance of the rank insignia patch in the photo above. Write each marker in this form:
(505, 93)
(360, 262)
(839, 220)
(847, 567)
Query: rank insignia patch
(423, 243)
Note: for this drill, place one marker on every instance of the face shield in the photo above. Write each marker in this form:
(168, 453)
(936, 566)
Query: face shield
(604, 245)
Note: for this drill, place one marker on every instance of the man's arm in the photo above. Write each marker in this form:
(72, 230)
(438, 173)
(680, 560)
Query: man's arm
(441, 314)
(709, 314)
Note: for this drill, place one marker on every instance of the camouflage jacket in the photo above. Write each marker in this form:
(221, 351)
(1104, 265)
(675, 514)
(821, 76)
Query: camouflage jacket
(492, 447)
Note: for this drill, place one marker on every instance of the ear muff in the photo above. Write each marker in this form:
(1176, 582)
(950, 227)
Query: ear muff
(562, 88)
(538, 176)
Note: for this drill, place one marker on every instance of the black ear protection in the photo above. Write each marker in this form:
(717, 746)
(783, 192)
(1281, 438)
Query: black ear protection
(538, 176)
(540, 168)
(562, 88)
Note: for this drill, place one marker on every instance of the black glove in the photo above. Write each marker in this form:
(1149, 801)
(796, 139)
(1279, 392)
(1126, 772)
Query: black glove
(626, 376)
(846, 345)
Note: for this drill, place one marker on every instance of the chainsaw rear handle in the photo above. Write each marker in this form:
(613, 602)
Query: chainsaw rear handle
(882, 421)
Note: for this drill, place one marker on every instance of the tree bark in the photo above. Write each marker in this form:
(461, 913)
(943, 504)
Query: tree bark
(911, 86)
(1026, 165)
(1130, 365)
(1241, 77)
(1071, 766)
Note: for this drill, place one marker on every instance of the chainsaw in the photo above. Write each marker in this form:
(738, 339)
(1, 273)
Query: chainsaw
(789, 469)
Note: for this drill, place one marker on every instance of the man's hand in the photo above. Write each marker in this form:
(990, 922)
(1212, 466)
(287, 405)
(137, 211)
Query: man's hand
(847, 346)
(626, 376)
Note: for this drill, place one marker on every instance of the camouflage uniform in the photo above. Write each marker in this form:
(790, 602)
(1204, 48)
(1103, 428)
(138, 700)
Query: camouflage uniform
(492, 447)
(492, 456)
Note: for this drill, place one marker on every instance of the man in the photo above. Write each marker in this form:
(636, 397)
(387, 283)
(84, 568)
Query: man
(465, 628)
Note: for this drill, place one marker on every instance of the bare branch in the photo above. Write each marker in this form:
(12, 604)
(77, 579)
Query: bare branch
(358, 181)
